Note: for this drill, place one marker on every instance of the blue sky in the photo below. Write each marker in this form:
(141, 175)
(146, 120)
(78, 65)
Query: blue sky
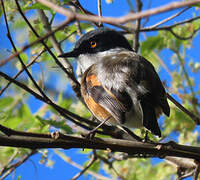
(32, 169)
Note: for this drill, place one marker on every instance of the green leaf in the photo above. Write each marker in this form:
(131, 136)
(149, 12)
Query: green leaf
(57, 124)
(66, 1)
(19, 24)
(27, 119)
(24, 58)
(66, 103)
(94, 167)
(152, 43)
(178, 121)
(12, 122)
(6, 101)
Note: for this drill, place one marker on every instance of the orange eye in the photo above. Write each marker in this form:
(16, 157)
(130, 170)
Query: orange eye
(93, 44)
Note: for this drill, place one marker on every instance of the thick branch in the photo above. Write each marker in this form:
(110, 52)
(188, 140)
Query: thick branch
(120, 20)
(131, 147)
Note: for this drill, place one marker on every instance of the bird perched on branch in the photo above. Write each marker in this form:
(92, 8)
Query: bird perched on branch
(119, 86)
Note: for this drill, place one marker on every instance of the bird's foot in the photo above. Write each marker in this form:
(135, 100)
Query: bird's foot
(91, 134)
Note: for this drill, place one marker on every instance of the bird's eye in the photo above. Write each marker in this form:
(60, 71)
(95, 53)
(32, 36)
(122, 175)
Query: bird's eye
(93, 44)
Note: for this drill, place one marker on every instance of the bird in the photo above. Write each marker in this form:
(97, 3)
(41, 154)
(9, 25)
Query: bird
(119, 86)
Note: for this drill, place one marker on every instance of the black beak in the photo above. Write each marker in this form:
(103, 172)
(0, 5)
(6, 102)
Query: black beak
(73, 53)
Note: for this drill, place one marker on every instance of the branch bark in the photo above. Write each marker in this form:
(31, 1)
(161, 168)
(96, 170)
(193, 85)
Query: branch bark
(141, 149)
(137, 29)
(120, 20)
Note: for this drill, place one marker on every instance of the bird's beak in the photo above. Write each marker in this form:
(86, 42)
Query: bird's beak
(73, 53)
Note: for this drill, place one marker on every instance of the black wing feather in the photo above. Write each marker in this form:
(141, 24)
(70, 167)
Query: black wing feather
(149, 118)
(116, 107)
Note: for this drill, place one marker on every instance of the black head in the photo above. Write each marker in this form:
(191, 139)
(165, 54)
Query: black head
(98, 40)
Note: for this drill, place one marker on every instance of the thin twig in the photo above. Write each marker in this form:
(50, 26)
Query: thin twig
(99, 12)
(77, 22)
(78, 5)
(185, 73)
(196, 171)
(17, 164)
(28, 65)
(91, 162)
(6, 167)
(168, 18)
(147, 18)
(52, 38)
(170, 26)
(61, 110)
(20, 59)
(130, 4)
(69, 70)
(32, 62)
(74, 83)
(4, 61)
(110, 165)
(68, 160)
(185, 38)
(190, 114)
(137, 29)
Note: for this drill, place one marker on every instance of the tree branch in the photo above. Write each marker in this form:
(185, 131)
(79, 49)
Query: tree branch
(170, 26)
(99, 12)
(4, 61)
(68, 160)
(20, 59)
(74, 83)
(107, 130)
(28, 65)
(120, 20)
(78, 5)
(185, 38)
(10, 168)
(136, 16)
(92, 160)
(137, 29)
(160, 150)
(69, 70)
(64, 112)
(168, 19)
(190, 114)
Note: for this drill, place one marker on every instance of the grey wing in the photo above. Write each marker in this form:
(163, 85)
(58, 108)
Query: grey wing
(116, 103)
(131, 71)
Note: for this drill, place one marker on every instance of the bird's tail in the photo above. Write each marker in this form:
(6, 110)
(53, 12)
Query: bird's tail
(149, 118)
